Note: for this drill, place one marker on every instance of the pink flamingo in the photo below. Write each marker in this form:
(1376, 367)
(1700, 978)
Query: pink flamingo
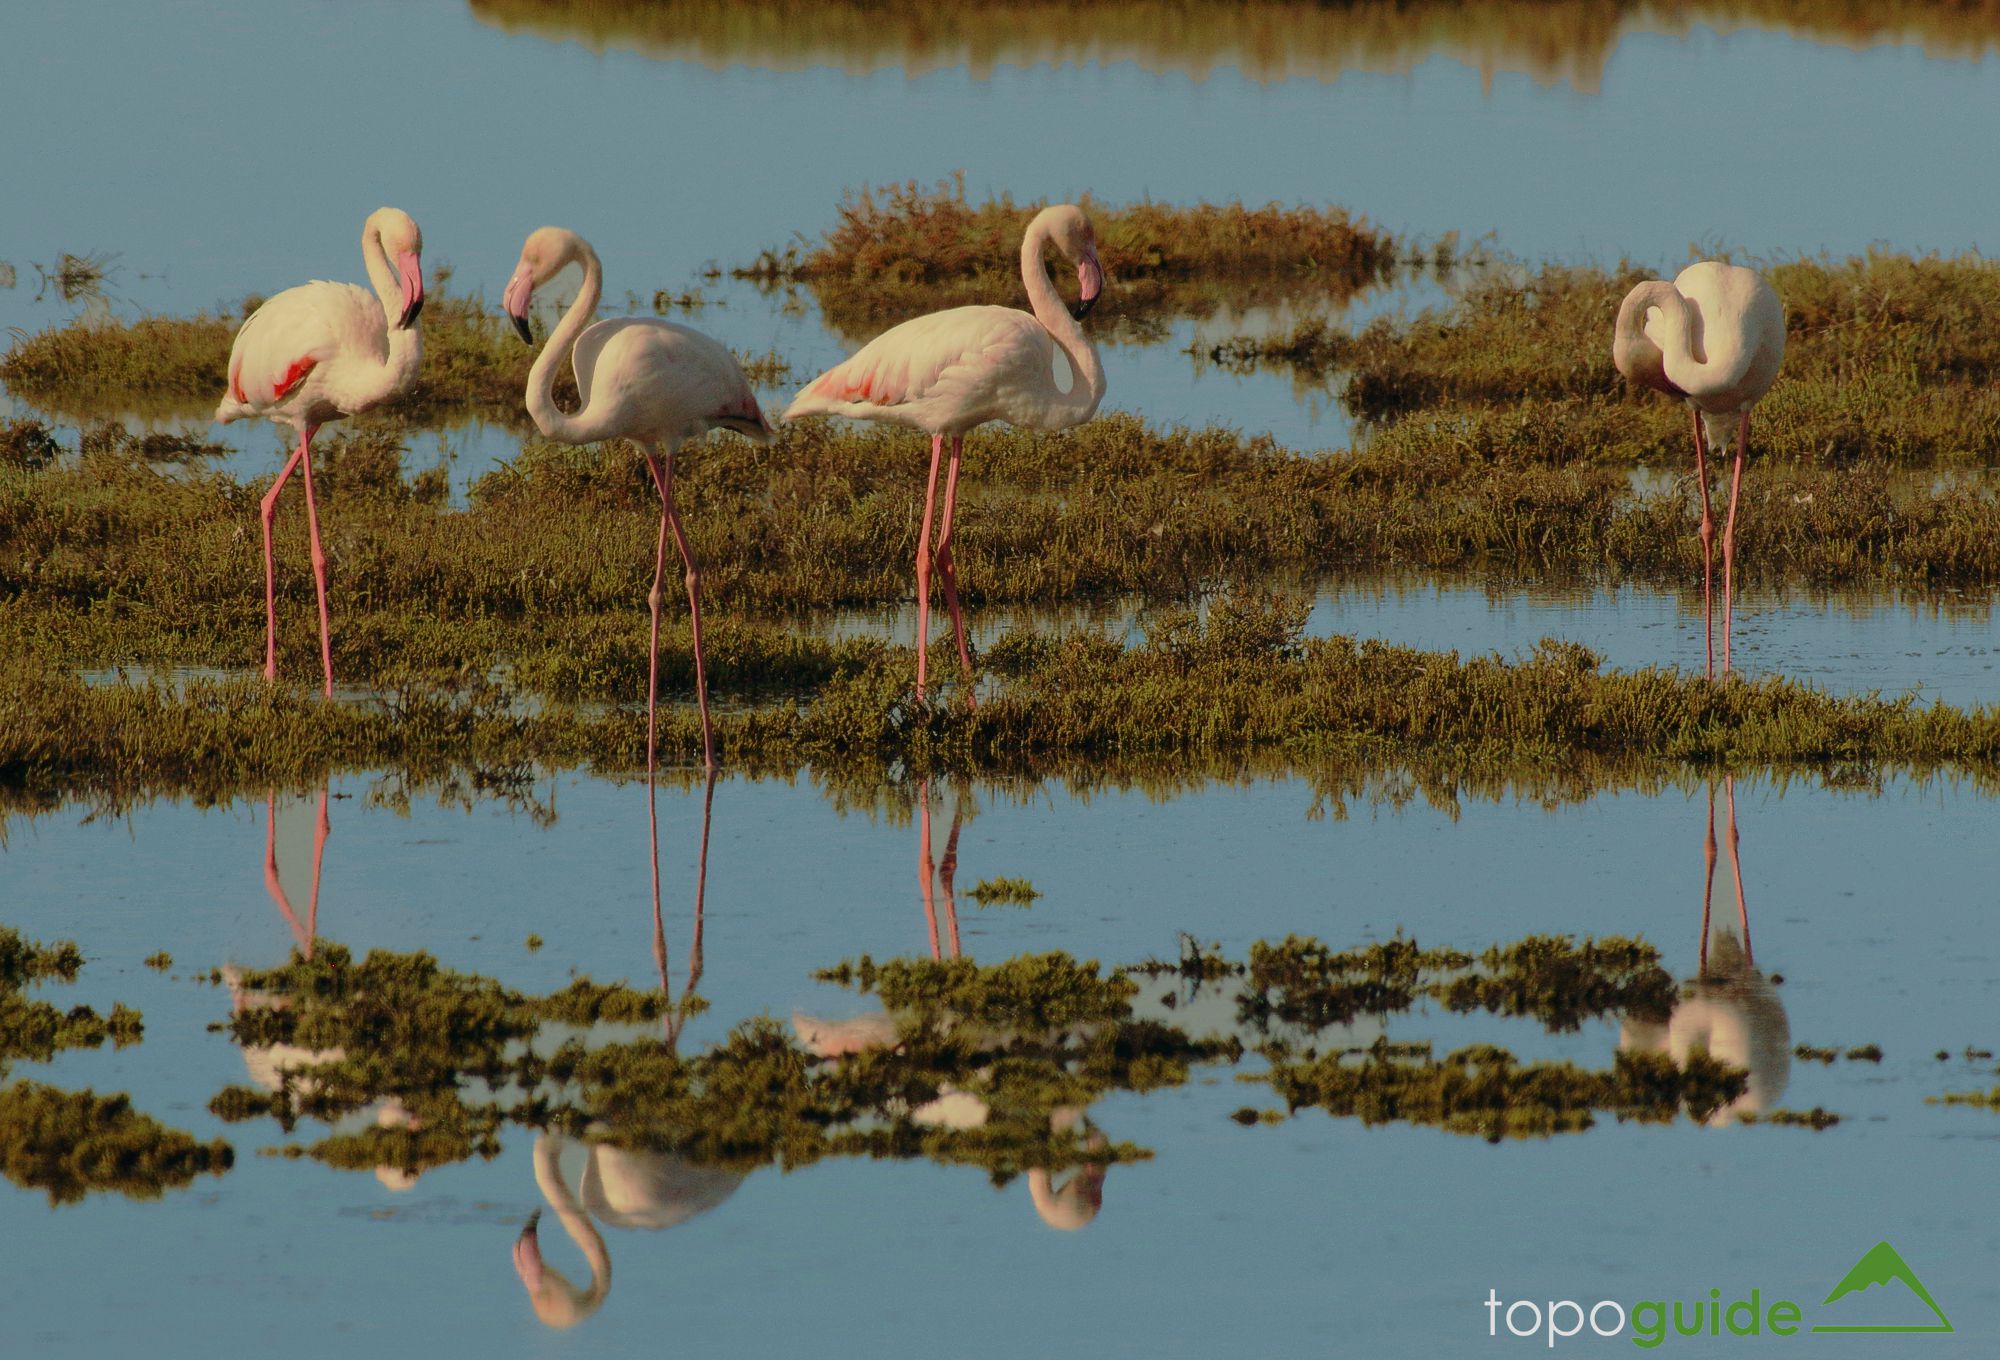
(1714, 336)
(642, 379)
(315, 353)
(953, 370)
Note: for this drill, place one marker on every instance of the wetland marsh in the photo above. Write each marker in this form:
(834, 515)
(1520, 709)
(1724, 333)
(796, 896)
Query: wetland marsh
(1347, 896)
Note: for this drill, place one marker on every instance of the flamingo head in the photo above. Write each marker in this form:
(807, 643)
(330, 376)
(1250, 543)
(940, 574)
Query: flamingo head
(1632, 349)
(1071, 231)
(403, 243)
(528, 1254)
(543, 256)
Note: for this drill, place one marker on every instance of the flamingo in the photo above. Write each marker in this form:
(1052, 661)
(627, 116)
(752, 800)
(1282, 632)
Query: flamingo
(1714, 336)
(1729, 1010)
(951, 371)
(649, 381)
(318, 352)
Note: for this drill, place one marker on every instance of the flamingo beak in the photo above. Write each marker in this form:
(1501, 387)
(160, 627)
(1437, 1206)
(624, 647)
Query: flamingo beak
(1089, 283)
(411, 272)
(520, 291)
(528, 1254)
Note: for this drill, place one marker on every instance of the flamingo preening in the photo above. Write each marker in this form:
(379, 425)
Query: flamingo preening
(649, 381)
(953, 370)
(318, 352)
(1728, 1010)
(1714, 336)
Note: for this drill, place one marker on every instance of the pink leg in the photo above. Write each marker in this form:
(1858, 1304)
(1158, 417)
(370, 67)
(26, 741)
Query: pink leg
(924, 564)
(1707, 541)
(319, 568)
(268, 512)
(1729, 538)
(659, 924)
(676, 1012)
(1708, 879)
(926, 867)
(947, 870)
(950, 571)
(664, 480)
(653, 602)
(319, 859)
(1736, 868)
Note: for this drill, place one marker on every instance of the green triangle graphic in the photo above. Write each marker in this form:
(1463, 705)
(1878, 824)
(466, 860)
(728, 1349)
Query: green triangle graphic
(1882, 1265)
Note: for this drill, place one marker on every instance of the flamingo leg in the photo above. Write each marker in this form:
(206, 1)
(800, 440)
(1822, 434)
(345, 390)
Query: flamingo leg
(1707, 541)
(319, 859)
(1708, 880)
(267, 512)
(319, 565)
(663, 478)
(947, 870)
(1736, 868)
(1729, 537)
(926, 867)
(950, 572)
(924, 563)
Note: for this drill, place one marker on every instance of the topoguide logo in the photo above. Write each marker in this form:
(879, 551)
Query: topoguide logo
(1650, 1322)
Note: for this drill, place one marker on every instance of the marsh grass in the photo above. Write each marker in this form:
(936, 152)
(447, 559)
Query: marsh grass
(109, 559)
(1239, 685)
(1888, 359)
(475, 367)
(74, 1143)
(901, 250)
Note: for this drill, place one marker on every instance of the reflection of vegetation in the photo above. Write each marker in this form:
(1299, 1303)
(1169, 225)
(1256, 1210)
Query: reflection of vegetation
(71, 1143)
(901, 251)
(1888, 359)
(1240, 683)
(1984, 1100)
(1549, 40)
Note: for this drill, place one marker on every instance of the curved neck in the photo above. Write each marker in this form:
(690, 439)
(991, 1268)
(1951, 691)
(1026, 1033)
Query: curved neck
(1087, 381)
(362, 383)
(542, 377)
(1632, 350)
(577, 1223)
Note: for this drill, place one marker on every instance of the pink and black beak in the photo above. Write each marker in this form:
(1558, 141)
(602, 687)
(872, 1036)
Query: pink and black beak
(528, 1254)
(1089, 283)
(410, 271)
(520, 291)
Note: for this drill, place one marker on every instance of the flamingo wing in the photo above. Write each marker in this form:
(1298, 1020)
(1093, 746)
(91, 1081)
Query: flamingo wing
(293, 333)
(948, 370)
(1740, 336)
(644, 373)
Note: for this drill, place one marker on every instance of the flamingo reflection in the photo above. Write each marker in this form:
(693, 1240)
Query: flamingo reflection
(614, 1186)
(271, 1066)
(1067, 1205)
(1729, 1009)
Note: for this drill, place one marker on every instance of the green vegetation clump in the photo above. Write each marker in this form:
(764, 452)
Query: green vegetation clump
(1984, 1100)
(160, 962)
(36, 1031)
(1816, 1119)
(1485, 1091)
(71, 1143)
(1807, 1053)
(1014, 892)
(902, 250)
(24, 962)
(1548, 977)
(1865, 1053)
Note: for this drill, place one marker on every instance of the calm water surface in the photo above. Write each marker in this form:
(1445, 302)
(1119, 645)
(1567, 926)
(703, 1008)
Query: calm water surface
(1875, 911)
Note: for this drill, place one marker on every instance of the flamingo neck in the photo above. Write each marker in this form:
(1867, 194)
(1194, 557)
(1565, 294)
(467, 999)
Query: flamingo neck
(542, 377)
(378, 382)
(1087, 381)
(1632, 346)
(577, 1223)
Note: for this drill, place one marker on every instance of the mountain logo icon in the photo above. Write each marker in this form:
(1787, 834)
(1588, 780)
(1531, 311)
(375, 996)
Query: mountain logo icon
(1883, 1266)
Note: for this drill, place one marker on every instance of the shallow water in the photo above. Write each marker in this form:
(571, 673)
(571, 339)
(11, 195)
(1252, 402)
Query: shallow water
(1875, 912)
